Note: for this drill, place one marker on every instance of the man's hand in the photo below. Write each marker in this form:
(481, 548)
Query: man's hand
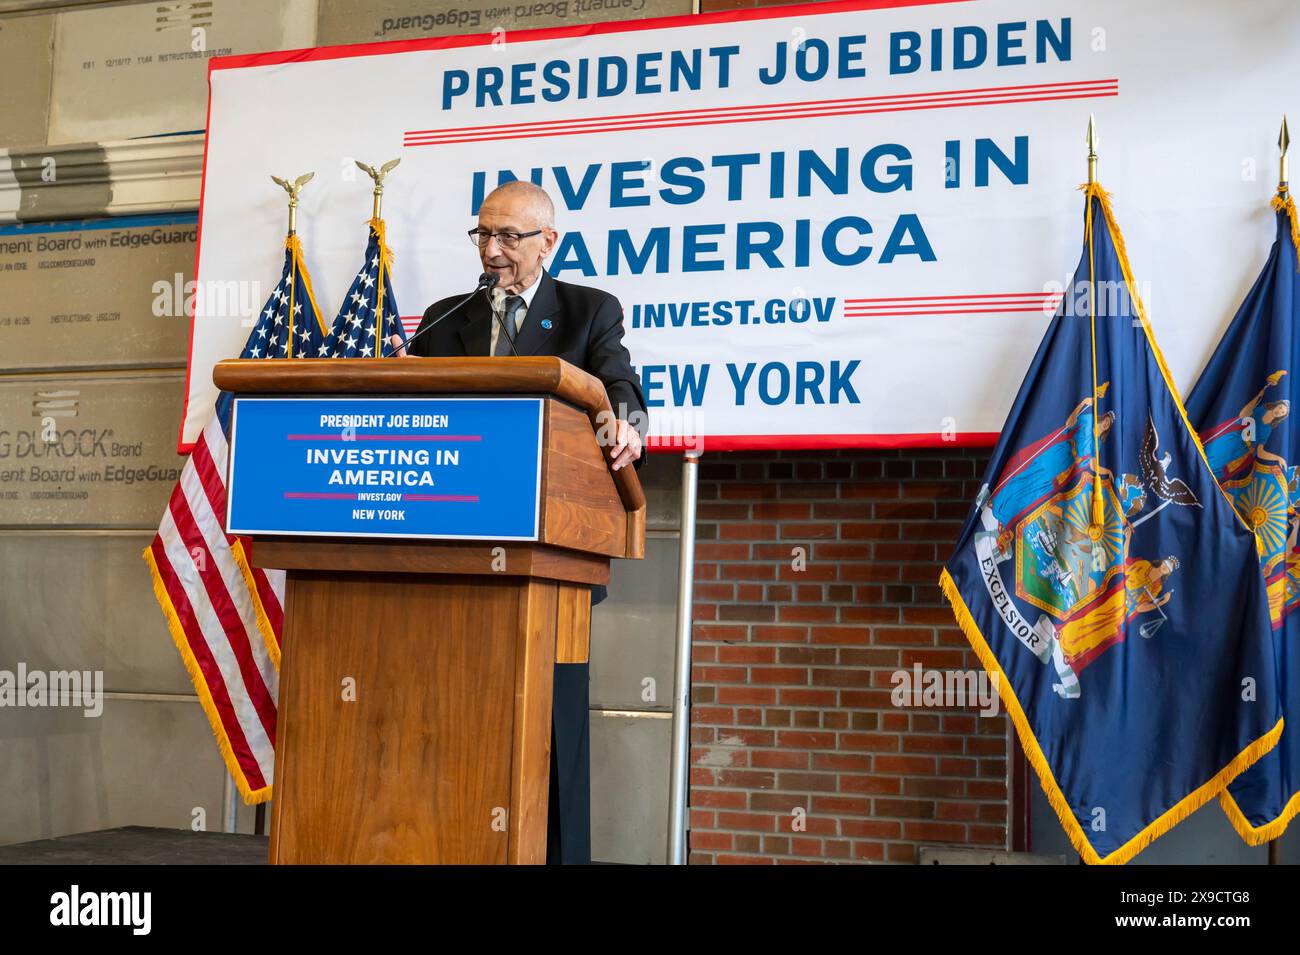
(627, 445)
(396, 346)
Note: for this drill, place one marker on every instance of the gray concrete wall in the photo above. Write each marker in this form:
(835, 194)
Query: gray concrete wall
(83, 345)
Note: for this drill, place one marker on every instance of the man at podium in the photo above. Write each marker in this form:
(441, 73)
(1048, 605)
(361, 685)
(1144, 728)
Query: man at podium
(530, 313)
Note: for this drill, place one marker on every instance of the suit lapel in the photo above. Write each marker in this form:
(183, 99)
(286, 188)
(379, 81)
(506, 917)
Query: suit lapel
(476, 334)
(545, 308)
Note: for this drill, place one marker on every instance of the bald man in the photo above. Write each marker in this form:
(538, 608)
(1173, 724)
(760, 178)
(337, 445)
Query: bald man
(584, 326)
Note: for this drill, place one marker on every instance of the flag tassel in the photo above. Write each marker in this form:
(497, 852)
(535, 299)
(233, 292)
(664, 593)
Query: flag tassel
(1282, 202)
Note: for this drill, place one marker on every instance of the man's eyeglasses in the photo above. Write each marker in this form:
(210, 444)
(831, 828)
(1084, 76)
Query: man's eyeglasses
(507, 240)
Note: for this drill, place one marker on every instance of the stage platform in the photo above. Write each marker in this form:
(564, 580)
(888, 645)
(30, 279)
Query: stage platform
(140, 845)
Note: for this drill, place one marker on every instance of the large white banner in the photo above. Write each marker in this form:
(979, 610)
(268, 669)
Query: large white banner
(840, 224)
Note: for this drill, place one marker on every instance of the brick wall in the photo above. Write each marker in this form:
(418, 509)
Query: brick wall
(792, 667)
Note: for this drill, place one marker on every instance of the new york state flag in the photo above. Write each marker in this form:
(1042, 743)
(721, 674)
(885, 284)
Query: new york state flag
(1106, 582)
(1242, 406)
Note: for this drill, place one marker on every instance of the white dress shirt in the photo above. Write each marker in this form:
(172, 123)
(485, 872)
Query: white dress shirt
(499, 296)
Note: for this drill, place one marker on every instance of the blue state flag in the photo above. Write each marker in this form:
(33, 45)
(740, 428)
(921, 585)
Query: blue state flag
(369, 316)
(1242, 408)
(1107, 584)
(289, 325)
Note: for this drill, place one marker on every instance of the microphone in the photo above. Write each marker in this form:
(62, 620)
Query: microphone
(486, 282)
(501, 322)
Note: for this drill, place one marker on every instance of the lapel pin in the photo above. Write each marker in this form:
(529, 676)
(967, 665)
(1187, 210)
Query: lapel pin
(546, 324)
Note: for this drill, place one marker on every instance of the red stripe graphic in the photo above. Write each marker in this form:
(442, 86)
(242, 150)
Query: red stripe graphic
(802, 442)
(458, 498)
(809, 109)
(978, 304)
(384, 437)
(352, 496)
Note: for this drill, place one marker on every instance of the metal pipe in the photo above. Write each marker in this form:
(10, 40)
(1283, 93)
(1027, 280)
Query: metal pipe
(679, 778)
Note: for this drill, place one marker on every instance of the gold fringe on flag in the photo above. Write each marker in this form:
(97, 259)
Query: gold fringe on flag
(299, 268)
(251, 797)
(1250, 834)
(1258, 835)
(1212, 787)
(385, 261)
(1215, 785)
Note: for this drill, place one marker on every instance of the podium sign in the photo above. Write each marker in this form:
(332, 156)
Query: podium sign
(455, 640)
(428, 468)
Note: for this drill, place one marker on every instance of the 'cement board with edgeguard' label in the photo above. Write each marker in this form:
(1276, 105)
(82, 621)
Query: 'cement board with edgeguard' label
(96, 294)
(92, 451)
(351, 21)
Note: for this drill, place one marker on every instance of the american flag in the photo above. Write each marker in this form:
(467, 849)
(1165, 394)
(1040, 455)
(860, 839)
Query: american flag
(369, 313)
(225, 615)
(289, 325)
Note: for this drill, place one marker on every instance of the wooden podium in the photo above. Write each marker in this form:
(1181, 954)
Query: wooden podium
(414, 721)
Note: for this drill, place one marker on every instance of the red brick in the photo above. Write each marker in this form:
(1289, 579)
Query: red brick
(871, 785)
(871, 828)
(704, 839)
(794, 662)
(746, 654)
(753, 695)
(784, 804)
(761, 822)
(912, 765)
(869, 851)
(718, 799)
(800, 697)
(806, 740)
(778, 675)
(721, 715)
(778, 759)
(808, 782)
(934, 832)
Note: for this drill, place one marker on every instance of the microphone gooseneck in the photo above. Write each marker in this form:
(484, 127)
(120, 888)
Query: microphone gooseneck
(486, 283)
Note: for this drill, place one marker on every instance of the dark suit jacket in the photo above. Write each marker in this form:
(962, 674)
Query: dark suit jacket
(586, 330)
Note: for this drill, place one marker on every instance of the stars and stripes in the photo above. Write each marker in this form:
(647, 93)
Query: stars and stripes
(369, 313)
(224, 614)
(289, 324)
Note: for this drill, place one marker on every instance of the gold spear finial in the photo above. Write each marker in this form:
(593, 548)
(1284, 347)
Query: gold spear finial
(1092, 149)
(1283, 141)
(378, 177)
(293, 189)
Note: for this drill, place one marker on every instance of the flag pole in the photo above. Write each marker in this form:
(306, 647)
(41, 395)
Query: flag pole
(1283, 172)
(1098, 508)
(378, 175)
(293, 189)
(1092, 149)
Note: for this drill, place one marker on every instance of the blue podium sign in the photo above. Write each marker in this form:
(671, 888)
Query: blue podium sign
(433, 468)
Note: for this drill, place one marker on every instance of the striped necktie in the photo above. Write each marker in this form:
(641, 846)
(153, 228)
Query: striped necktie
(514, 304)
